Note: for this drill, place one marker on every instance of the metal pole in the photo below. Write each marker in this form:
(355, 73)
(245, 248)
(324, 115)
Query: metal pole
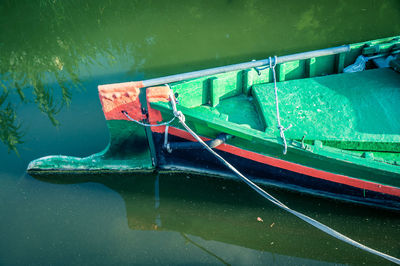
(241, 66)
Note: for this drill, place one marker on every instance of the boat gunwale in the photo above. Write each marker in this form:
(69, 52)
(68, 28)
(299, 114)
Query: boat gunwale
(326, 152)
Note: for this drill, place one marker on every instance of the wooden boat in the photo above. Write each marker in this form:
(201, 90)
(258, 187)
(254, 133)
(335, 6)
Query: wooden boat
(297, 122)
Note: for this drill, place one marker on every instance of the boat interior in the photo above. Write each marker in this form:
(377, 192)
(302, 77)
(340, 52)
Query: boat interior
(327, 99)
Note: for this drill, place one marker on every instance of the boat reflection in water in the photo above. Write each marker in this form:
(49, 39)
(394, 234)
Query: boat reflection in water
(227, 220)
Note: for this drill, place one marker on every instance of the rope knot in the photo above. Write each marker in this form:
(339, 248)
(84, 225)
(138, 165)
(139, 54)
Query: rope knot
(273, 65)
(179, 115)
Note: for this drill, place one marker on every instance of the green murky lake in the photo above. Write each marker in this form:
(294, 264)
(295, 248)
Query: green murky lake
(53, 54)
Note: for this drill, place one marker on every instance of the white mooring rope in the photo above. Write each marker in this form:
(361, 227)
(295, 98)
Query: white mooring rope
(259, 190)
(281, 128)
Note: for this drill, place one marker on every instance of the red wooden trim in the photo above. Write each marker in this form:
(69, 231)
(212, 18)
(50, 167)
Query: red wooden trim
(119, 97)
(297, 168)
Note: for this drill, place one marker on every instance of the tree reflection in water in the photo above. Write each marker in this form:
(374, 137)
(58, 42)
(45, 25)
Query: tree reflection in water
(9, 126)
(41, 57)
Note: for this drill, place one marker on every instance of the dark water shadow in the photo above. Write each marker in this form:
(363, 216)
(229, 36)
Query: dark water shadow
(228, 211)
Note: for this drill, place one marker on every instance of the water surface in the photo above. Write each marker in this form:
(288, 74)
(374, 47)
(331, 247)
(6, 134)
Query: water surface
(53, 54)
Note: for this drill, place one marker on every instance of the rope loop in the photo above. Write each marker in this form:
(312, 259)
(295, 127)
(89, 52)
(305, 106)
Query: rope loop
(180, 116)
(145, 124)
(177, 114)
(166, 144)
(272, 65)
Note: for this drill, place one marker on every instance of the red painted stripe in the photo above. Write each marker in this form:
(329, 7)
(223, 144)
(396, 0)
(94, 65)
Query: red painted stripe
(297, 168)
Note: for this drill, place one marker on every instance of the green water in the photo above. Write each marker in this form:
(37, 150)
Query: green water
(53, 54)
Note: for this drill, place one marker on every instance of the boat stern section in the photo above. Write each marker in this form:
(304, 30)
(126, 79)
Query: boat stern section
(128, 149)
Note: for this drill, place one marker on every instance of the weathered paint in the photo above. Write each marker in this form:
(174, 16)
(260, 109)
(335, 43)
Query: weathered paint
(119, 97)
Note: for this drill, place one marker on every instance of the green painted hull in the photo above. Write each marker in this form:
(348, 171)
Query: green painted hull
(345, 126)
(128, 151)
